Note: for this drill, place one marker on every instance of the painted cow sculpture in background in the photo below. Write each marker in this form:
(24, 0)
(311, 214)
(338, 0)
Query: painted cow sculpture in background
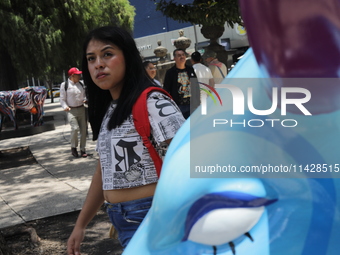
(29, 99)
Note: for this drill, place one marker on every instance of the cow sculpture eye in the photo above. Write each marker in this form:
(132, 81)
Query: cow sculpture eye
(219, 218)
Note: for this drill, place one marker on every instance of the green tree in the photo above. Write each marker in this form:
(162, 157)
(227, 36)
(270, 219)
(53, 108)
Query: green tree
(203, 12)
(41, 38)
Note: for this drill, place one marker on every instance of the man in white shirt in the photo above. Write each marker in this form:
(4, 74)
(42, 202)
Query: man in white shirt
(203, 73)
(72, 99)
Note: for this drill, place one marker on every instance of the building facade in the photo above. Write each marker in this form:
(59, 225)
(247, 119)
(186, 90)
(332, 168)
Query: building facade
(152, 26)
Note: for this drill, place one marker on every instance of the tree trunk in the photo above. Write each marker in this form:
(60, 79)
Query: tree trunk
(49, 86)
(8, 79)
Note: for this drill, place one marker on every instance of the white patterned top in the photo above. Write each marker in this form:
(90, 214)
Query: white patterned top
(125, 161)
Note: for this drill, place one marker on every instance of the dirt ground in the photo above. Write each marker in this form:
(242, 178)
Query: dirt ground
(16, 157)
(53, 233)
(48, 236)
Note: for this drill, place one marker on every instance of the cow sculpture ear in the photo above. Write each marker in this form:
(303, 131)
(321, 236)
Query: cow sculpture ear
(283, 39)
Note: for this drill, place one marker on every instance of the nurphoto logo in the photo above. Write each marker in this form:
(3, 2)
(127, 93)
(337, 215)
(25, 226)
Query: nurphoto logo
(238, 104)
(204, 99)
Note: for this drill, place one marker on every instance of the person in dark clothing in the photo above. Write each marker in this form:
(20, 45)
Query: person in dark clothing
(181, 82)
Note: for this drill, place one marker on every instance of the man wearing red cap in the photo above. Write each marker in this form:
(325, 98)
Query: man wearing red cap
(72, 99)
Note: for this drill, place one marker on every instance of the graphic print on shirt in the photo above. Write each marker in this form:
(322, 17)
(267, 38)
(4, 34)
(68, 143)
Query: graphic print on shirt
(125, 161)
(127, 158)
(165, 107)
(184, 88)
(125, 154)
(163, 117)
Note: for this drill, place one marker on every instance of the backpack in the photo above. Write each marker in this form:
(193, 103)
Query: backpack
(82, 84)
(142, 124)
(219, 68)
(66, 84)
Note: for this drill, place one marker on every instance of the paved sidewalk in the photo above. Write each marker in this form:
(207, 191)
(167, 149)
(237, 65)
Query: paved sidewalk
(57, 184)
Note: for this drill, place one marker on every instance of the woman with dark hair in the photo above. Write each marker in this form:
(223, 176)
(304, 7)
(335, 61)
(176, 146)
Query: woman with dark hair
(125, 176)
(151, 70)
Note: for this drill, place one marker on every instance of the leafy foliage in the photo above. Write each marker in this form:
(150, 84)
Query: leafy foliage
(43, 37)
(203, 12)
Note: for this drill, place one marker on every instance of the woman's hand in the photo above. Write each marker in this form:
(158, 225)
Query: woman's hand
(92, 204)
(74, 241)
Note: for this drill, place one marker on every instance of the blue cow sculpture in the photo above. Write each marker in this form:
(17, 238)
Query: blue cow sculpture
(29, 99)
(238, 182)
